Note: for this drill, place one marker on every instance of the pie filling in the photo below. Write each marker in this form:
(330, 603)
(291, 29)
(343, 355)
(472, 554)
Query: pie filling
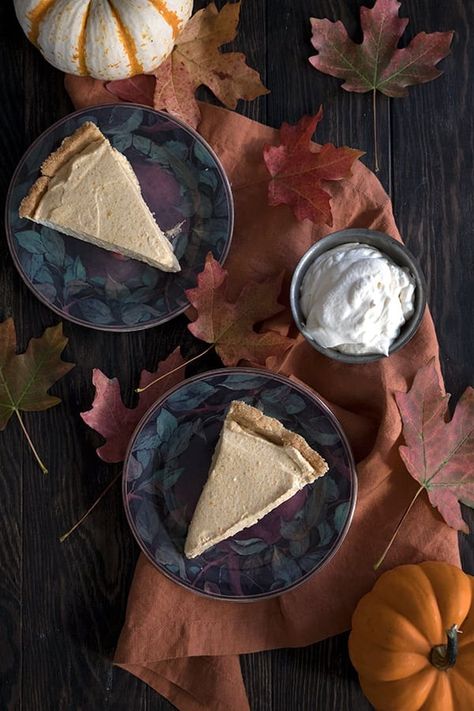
(90, 191)
(254, 470)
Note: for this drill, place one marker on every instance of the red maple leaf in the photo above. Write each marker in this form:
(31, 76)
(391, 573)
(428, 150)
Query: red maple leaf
(115, 422)
(437, 453)
(298, 168)
(230, 326)
(376, 63)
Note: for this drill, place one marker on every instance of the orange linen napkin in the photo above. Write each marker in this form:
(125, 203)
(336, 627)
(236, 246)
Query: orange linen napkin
(186, 646)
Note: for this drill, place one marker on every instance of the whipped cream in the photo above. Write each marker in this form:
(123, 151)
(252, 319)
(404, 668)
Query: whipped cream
(355, 299)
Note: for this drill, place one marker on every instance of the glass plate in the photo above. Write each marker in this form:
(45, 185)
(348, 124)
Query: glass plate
(167, 465)
(184, 185)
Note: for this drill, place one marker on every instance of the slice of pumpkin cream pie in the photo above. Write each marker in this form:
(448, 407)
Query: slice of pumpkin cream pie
(257, 465)
(88, 190)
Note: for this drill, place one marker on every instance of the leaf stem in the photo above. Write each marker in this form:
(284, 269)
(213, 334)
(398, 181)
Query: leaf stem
(400, 523)
(30, 442)
(376, 140)
(90, 509)
(175, 370)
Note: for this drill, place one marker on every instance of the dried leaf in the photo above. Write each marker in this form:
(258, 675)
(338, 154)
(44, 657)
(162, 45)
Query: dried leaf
(376, 63)
(230, 325)
(439, 453)
(196, 61)
(298, 168)
(175, 91)
(109, 416)
(26, 378)
(138, 89)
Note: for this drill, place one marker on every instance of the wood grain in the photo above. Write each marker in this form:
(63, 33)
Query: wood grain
(62, 606)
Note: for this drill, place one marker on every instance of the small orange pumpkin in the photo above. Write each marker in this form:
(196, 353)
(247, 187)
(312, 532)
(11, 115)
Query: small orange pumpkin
(412, 639)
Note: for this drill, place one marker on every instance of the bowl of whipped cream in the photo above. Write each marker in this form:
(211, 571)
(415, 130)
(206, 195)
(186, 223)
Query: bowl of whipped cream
(358, 295)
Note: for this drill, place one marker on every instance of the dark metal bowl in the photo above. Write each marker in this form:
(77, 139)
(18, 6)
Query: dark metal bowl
(396, 251)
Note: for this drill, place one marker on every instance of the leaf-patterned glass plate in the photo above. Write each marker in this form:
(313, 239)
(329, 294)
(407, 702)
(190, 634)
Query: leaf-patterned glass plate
(184, 185)
(167, 465)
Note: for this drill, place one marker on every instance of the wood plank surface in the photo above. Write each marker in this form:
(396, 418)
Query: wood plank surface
(61, 607)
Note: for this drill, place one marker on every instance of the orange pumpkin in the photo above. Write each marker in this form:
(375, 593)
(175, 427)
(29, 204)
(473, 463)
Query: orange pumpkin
(412, 639)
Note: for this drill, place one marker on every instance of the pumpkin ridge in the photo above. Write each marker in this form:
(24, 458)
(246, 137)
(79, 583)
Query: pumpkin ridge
(405, 585)
(461, 687)
(382, 610)
(392, 666)
(440, 695)
(127, 41)
(398, 693)
(169, 16)
(36, 16)
(81, 43)
(430, 571)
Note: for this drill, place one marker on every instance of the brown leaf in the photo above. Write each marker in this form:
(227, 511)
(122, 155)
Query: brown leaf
(376, 63)
(298, 168)
(439, 453)
(230, 326)
(175, 91)
(138, 89)
(26, 378)
(196, 60)
(109, 416)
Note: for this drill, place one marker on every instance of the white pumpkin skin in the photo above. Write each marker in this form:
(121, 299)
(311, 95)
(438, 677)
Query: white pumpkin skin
(105, 39)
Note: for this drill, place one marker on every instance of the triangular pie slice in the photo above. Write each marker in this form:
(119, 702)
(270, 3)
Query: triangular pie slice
(88, 190)
(257, 465)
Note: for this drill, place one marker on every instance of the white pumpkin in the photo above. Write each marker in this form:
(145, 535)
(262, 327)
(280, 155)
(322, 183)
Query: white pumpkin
(105, 39)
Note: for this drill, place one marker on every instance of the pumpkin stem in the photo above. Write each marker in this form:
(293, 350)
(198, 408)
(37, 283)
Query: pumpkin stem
(444, 656)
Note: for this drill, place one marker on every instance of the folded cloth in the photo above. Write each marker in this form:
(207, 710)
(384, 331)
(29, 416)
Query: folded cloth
(185, 646)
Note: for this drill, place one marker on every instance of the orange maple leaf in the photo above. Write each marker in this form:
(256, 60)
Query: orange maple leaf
(196, 61)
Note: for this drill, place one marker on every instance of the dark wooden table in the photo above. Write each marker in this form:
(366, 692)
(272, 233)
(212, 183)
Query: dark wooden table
(62, 606)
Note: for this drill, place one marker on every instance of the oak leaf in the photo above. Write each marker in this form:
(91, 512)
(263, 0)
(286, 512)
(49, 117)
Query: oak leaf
(116, 422)
(298, 168)
(230, 326)
(377, 63)
(196, 61)
(439, 453)
(26, 378)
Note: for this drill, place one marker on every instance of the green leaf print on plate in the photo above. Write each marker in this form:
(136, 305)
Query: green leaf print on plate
(168, 463)
(186, 189)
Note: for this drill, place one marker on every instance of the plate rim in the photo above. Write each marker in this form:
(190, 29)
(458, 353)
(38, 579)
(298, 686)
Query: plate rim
(298, 385)
(104, 328)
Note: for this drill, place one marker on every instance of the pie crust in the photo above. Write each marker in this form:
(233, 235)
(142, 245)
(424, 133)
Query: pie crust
(71, 145)
(269, 428)
(241, 487)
